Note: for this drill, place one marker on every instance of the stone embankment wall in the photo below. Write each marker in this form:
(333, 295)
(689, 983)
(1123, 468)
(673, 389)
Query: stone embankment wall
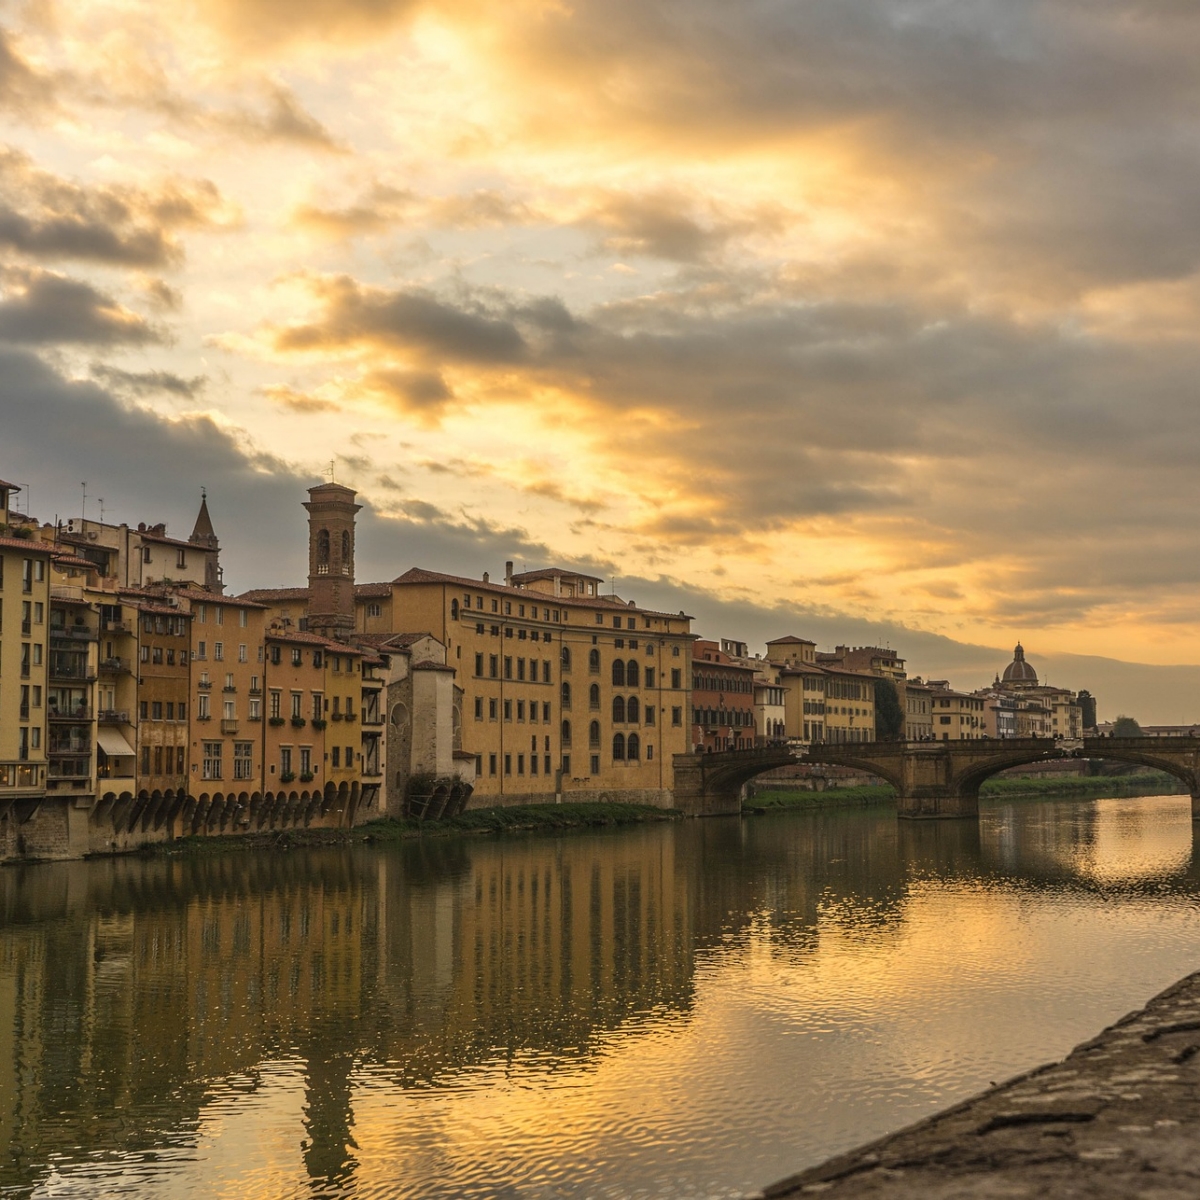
(1119, 1118)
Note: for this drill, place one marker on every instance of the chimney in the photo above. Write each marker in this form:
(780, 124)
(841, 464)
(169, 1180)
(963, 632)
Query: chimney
(508, 573)
(485, 577)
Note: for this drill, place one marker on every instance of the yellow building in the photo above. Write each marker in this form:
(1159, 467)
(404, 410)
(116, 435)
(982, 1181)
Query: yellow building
(24, 659)
(918, 711)
(957, 717)
(566, 693)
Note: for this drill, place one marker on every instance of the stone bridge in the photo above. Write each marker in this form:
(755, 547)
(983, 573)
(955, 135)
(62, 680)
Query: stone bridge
(931, 779)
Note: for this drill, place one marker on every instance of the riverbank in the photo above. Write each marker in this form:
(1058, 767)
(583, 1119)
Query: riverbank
(1118, 1118)
(517, 819)
(1152, 783)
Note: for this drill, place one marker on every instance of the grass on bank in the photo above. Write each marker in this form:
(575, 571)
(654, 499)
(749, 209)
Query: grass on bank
(518, 819)
(1084, 787)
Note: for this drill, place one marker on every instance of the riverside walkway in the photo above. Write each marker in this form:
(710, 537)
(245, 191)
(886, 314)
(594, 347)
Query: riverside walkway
(1118, 1118)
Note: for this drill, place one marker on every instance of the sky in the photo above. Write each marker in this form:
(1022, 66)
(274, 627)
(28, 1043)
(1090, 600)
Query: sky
(856, 315)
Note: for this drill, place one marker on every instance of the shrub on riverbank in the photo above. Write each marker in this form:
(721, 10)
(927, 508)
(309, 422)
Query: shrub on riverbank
(1147, 783)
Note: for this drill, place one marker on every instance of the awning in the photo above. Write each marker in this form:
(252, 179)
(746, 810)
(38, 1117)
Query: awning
(113, 742)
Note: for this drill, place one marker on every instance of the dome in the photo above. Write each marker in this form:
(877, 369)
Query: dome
(1019, 671)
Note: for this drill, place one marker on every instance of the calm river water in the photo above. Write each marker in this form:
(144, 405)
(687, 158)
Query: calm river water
(687, 1010)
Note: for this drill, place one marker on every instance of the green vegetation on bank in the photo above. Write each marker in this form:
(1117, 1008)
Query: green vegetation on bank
(1085, 787)
(519, 819)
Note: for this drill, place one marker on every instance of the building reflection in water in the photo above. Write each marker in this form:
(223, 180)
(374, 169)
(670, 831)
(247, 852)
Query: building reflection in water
(131, 990)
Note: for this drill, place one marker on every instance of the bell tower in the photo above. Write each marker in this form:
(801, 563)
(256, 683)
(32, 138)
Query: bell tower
(331, 509)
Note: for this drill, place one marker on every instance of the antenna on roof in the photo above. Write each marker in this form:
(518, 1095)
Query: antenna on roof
(101, 510)
(332, 478)
(83, 508)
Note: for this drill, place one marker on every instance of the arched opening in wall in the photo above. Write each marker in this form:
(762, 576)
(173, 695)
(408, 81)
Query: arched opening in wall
(594, 696)
(632, 710)
(633, 747)
(323, 548)
(618, 709)
(454, 610)
(566, 695)
(345, 551)
(399, 716)
(566, 734)
(594, 735)
(618, 673)
(631, 673)
(618, 747)
(564, 657)
(593, 660)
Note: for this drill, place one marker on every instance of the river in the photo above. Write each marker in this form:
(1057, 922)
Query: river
(669, 1011)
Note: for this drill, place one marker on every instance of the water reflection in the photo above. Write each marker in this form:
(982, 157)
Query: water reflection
(683, 1011)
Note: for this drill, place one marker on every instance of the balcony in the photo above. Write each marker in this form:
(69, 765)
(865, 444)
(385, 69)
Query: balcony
(114, 666)
(255, 691)
(228, 725)
(351, 716)
(117, 626)
(74, 633)
(205, 685)
(82, 713)
(71, 672)
(229, 690)
(372, 719)
(335, 715)
(69, 767)
(113, 716)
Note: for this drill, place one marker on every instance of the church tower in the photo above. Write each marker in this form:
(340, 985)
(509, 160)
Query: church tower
(331, 509)
(205, 537)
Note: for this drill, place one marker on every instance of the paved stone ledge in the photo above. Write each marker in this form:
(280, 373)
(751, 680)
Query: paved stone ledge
(1120, 1117)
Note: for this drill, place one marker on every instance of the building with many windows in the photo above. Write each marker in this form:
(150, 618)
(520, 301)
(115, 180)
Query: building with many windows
(723, 699)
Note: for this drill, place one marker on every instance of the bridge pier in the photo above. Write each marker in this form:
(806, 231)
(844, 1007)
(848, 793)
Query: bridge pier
(937, 803)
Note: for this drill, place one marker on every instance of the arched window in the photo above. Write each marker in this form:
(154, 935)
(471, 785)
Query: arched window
(618, 747)
(594, 696)
(633, 748)
(631, 673)
(593, 660)
(323, 547)
(594, 735)
(619, 708)
(566, 733)
(566, 695)
(454, 610)
(565, 657)
(345, 547)
(618, 673)
(631, 710)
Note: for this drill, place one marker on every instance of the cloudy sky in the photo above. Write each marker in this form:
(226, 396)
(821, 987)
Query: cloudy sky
(880, 312)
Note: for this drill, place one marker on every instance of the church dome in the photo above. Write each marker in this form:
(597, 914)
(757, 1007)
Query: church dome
(1019, 671)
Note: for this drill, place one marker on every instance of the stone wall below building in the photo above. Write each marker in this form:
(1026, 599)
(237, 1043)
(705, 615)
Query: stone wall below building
(653, 797)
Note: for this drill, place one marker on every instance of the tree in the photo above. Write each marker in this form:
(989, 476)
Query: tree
(1087, 709)
(1126, 727)
(889, 715)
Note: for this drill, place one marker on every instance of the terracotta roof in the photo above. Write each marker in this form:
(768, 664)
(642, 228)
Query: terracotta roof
(27, 544)
(145, 606)
(421, 575)
(382, 590)
(12, 487)
(203, 597)
(428, 666)
(162, 538)
(266, 595)
(310, 639)
(790, 640)
(73, 560)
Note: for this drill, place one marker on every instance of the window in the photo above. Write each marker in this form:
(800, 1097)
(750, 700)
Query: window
(507, 758)
(275, 702)
(675, 677)
(631, 673)
(545, 671)
(479, 664)
(243, 760)
(594, 734)
(492, 713)
(230, 713)
(566, 695)
(618, 709)
(520, 710)
(566, 765)
(255, 706)
(520, 764)
(618, 738)
(243, 652)
(318, 705)
(507, 666)
(677, 716)
(546, 711)
(479, 708)
(297, 700)
(492, 757)
(521, 669)
(566, 733)
(219, 649)
(202, 710)
(144, 710)
(454, 610)
(305, 760)
(595, 764)
(649, 677)
(675, 651)
(618, 673)
(649, 714)
(633, 748)
(533, 764)
(143, 654)
(211, 767)
(508, 710)
(493, 665)
(649, 752)
(631, 710)
(564, 656)
(336, 756)
(146, 759)
(594, 660)
(374, 610)
(156, 710)
(349, 758)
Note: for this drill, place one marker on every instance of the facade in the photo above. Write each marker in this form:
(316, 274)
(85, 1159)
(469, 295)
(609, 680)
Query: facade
(566, 693)
(823, 702)
(957, 716)
(918, 711)
(160, 721)
(24, 660)
(1042, 710)
(723, 698)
